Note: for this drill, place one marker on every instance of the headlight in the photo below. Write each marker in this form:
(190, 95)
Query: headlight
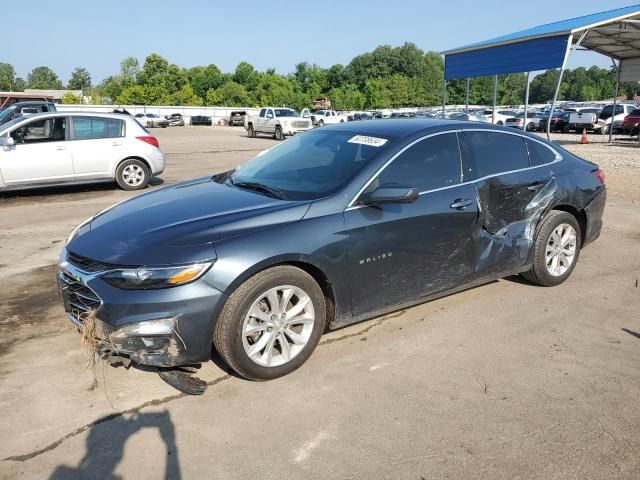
(75, 231)
(148, 278)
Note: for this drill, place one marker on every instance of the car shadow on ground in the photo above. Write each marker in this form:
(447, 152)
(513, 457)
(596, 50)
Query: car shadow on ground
(106, 442)
(51, 192)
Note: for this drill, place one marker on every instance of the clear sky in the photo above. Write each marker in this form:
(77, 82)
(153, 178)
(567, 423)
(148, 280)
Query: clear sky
(276, 33)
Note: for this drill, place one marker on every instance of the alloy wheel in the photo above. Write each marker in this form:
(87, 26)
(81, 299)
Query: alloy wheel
(278, 325)
(561, 249)
(133, 175)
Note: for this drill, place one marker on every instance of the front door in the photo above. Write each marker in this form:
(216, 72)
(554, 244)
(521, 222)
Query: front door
(40, 153)
(401, 252)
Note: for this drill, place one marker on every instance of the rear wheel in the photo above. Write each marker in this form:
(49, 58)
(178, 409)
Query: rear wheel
(556, 249)
(132, 174)
(321, 123)
(271, 324)
(531, 127)
(278, 135)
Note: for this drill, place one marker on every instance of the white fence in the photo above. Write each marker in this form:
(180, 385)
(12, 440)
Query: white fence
(217, 114)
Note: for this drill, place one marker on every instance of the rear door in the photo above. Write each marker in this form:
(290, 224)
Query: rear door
(40, 153)
(96, 144)
(401, 252)
(510, 196)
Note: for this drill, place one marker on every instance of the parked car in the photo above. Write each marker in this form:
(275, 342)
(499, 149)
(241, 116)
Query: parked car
(459, 116)
(201, 120)
(607, 119)
(331, 227)
(150, 120)
(25, 108)
(532, 122)
(403, 115)
(584, 118)
(631, 123)
(279, 122)
(327, 117)
(61, 148)
(237, 118)
(500, 117)
(556, 120)
(175, 120)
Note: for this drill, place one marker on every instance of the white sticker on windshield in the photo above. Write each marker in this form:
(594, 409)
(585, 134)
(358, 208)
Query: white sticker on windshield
(371, 141)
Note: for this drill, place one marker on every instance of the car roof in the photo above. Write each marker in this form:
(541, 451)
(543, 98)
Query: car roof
(401, 128)
(65, 113)
(30, 102)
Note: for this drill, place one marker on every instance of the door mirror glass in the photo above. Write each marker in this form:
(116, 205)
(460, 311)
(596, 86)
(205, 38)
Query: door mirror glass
(269, 115)
(389, 194)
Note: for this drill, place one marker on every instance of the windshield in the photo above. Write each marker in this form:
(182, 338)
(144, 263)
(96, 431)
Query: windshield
(152, 115)
(5, 115)
(310, 166)
(286, 112)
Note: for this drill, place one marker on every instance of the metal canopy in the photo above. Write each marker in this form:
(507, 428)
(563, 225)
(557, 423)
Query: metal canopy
(614, 33)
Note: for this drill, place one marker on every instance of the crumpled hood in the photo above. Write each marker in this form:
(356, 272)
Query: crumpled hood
(179, 224)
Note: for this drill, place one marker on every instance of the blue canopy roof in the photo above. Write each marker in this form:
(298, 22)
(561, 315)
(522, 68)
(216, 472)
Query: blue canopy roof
(614, 33)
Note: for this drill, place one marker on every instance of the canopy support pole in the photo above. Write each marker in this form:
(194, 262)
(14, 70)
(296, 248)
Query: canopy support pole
(615, 98)
(526, 103)
(495, 95)
(444, 95)
(466, 102)
(567, 54)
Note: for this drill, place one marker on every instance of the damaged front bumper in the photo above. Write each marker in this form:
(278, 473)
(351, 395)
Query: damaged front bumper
(163, 327)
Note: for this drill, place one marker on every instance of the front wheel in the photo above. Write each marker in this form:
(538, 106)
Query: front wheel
(271, 324)
(604, 130)
(531, 127)
(251, 132)
(132, 174)
(556, 249)
(499, 122)
(321, 123)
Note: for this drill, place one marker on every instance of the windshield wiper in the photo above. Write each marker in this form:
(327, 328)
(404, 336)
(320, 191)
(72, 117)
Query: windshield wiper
(260, 187)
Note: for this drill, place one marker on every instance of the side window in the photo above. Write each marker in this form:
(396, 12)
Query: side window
(263, 113)
(40, 131)
(494, 153)
(539, 154)
(270, 112)
(429, 164)
(85, 128)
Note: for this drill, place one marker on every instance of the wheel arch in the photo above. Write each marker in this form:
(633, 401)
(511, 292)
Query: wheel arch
(580, 216)
(303, 263)
(133, 157)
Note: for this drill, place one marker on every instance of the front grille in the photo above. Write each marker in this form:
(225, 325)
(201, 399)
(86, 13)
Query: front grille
(78, 299)
(300, 124)
(86, 264)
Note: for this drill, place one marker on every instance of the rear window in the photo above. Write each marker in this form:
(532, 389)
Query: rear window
(494, 153)
(539, 154)
(635, 113)
(87, 128)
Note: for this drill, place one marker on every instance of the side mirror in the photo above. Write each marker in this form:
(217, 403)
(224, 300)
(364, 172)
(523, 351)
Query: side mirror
(7, 142)
(269, 115)
(387, 194)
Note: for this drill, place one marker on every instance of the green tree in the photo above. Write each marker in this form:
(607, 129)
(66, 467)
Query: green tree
(80, 79)
(7, 77)
(19, 84)
(232, 94)
(246, 75)
(185, 96)
(43, 78)
(204, 78)
(212, 98)
(70, 99)
(129, 69)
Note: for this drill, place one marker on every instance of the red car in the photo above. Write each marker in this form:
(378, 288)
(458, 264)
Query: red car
(631, 122)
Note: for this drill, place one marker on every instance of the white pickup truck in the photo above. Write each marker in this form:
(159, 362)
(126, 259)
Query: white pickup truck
(327, 117)
(278, 122)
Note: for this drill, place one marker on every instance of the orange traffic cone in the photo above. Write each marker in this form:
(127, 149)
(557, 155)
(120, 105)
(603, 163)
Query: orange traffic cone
(583, 140)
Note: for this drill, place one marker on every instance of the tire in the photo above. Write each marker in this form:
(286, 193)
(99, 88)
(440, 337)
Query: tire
(321, 123)
(132, 174)
(233, 342)
(278, 135)
(499, 122)
(604, 130)
(251, 133)
(149, 124)
(531, 127)
(546, 242)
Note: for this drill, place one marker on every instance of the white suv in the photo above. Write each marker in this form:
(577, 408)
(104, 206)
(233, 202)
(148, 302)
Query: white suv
(60, 148)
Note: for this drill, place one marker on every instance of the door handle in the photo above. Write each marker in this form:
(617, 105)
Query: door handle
(59, 147)
(461, 204)
(116, 144)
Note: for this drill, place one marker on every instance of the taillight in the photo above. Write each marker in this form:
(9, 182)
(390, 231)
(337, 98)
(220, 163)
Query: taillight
(600, 175)
(150, 139)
